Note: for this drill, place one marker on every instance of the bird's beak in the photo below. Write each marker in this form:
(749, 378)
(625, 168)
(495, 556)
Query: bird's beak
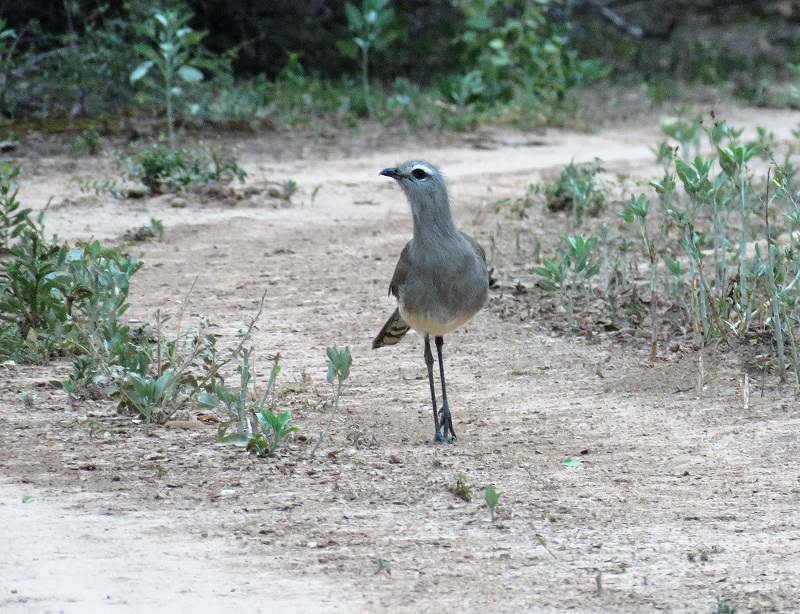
(391, 172)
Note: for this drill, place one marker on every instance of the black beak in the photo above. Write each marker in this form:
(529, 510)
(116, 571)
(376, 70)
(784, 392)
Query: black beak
(391, 172)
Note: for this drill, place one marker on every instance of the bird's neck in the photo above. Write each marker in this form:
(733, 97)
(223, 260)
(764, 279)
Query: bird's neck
(433, 224)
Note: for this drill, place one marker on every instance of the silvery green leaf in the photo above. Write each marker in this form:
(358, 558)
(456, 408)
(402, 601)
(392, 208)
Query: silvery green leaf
(190, 74)
(141, 70)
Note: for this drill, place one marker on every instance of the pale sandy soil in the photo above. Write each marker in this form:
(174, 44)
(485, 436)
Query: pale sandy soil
(133, 519)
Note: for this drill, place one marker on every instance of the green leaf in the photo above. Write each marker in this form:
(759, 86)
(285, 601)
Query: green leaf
(547, 285)
(235, 439)
(491, 496)
(674, 266)
(141, 70)
(190, 74)
(354, 19)
(571, 462)
(340, 362)
(27, 499)
(283, 419)
(208, 399)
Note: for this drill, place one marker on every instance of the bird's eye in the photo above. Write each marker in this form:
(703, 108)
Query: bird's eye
(418, 173)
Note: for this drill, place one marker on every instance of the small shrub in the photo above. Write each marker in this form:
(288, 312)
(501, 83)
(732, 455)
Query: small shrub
(161, 168)
(87, 142)
(255, 426)
(154, 230)
(171, 51)
(373, 31)
(571, 273)
(54, 297)
(461, 488)
(14, 221)
(577, 190)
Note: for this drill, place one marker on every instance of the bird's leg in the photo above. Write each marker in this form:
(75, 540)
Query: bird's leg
(445, 421)
(429, 363)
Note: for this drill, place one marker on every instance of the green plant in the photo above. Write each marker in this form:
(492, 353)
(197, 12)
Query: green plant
(724, 606)
(257, 428)
(571, 273)
(174, 374)
(33, 290)
(157, 398)
(517, 60)
(373, 33)
(154, 230)
(577, 190)
(491, 496)
(339, 363)
(8, 41)
(793, 90)
(236, 402)
(55, 298)
(517, 207)
(636, 213)
(290, 188)
(13, 220)
(162, 168)
(294, 97)
(461, 488)
(88, 141)
(105, 351)
(687, 132)
(171, 49)
(274, 430)
(722, 255)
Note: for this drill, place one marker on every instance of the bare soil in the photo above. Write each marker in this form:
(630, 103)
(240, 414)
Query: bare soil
(683, 493)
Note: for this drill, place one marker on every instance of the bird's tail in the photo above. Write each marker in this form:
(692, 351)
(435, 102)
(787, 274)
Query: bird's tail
(392, 331)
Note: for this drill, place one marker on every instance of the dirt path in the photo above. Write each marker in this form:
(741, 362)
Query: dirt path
(681, 495)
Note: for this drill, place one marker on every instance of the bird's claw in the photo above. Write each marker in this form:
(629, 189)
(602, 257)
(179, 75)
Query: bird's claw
(447, 434)
(439, 438)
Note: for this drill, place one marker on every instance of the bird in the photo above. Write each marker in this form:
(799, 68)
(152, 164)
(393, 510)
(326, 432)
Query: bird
(441, 280)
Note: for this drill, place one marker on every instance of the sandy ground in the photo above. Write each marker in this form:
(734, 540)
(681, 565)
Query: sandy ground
(683, 495)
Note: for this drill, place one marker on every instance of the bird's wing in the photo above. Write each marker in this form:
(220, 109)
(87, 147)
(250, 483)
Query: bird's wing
(475, 245)
(400, 271)
(392, 331)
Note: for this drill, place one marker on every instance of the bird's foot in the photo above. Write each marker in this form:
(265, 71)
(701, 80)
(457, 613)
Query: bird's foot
(439, 438)
(446, 423)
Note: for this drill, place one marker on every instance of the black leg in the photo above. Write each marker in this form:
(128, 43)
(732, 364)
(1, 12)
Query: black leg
(429, 363)
(445, 421)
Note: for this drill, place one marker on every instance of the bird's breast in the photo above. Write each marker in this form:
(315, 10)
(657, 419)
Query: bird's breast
(433, 325)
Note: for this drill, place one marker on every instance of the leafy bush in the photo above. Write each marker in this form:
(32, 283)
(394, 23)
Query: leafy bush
(296, 97)
(577, 190)
(82, 71)
(521, 59)
(256, 427)
(161, 168)
(51, 295)
(710, 235)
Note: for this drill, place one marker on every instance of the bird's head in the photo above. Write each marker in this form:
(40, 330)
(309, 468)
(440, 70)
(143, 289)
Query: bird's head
(423, 184)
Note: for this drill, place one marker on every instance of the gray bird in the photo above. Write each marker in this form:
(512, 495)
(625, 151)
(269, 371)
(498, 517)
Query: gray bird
(441, 279)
